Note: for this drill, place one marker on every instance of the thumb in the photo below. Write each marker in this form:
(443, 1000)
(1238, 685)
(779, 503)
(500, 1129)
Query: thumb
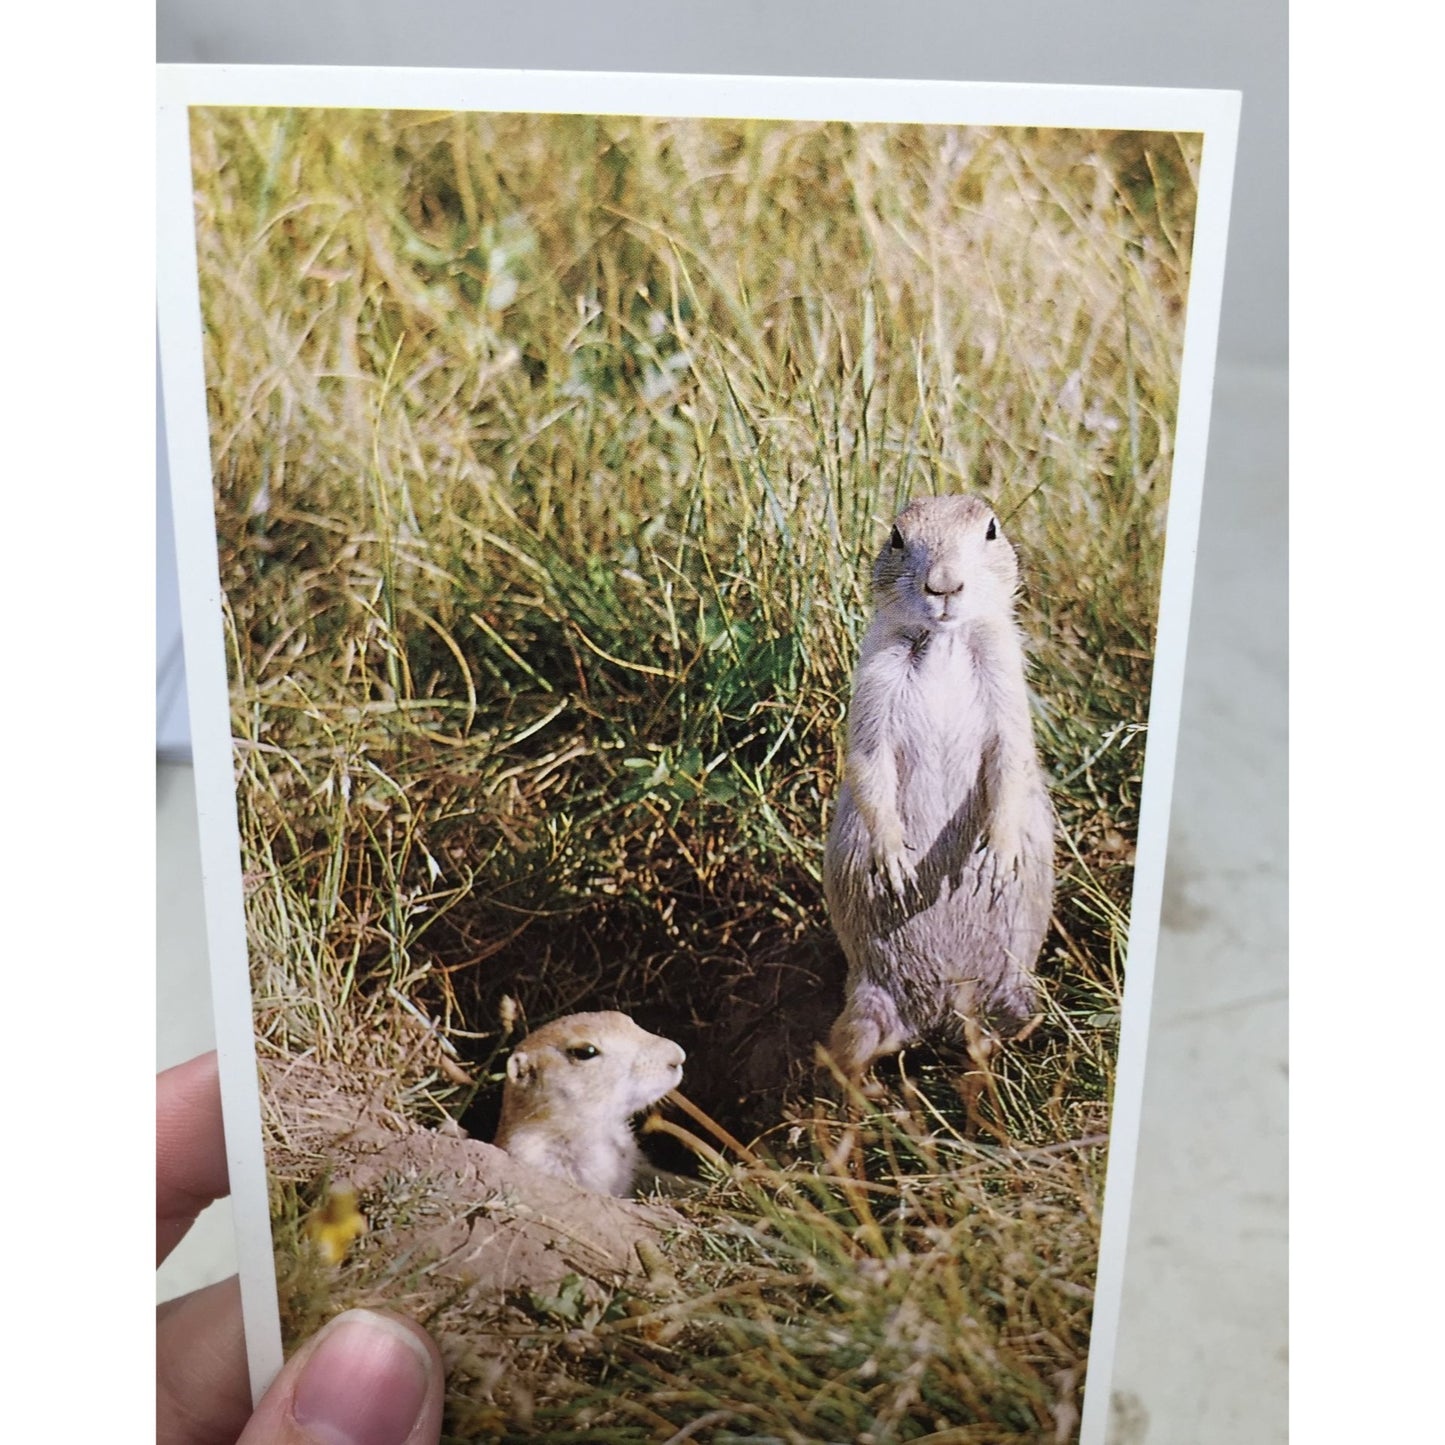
(365, 1379)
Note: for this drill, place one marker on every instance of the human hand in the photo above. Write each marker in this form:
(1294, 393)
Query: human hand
(366, 1379)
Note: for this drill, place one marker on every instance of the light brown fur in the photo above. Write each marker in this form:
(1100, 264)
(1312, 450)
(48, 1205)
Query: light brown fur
(572, 1089)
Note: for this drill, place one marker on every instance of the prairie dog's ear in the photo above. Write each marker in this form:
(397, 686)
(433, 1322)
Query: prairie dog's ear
(520, 1068)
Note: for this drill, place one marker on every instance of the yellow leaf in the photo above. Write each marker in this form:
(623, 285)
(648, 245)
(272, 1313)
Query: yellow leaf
(336, 1224)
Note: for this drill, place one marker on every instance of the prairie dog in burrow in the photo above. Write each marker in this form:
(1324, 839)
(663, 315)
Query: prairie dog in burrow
(938, 870)
(572, 1088)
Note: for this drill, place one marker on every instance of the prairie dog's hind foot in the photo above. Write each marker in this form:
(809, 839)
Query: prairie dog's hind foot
(868, 1028)
(977, 1083)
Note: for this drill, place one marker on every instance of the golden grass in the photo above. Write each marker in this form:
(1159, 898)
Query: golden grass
(550, 453)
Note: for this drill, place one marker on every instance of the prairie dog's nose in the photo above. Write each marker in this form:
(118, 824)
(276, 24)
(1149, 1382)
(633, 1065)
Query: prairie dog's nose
(942, 580)
(678, 1057)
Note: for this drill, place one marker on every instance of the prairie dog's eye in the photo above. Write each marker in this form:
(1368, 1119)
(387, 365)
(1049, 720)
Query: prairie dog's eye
(992, 532)
(896, 540)
(583, 1051)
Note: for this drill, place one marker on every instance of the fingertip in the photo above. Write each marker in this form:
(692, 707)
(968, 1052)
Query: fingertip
(377, 1324)
(191, 1167)
(199, 1074)
(203, 1390)
(419, 1336)
(368, 1378)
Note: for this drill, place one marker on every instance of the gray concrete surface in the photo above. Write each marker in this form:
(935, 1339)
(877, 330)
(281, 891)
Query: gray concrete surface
(1201, 1354)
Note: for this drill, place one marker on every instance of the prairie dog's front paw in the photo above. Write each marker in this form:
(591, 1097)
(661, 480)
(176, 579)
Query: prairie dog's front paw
(900, 871)
(1004, 845)
(891, 857)
(1005, 840)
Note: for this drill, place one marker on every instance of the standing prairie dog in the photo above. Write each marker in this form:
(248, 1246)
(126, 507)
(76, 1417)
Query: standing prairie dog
(572, 1088)
(939, 864)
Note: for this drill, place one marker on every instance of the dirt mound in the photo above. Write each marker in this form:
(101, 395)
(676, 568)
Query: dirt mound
(477, 1221)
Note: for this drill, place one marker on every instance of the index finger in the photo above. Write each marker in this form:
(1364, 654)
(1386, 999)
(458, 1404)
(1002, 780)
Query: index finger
(190, 1148)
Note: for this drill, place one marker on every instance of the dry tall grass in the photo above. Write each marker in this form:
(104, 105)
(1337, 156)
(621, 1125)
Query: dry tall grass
(550, 453)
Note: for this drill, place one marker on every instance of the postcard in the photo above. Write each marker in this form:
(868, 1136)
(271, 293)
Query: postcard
(685, 585)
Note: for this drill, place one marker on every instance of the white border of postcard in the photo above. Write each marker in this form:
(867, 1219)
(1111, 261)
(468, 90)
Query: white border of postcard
(1214, 113)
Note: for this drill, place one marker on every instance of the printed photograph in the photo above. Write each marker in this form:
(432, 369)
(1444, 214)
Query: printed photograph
(690, 594)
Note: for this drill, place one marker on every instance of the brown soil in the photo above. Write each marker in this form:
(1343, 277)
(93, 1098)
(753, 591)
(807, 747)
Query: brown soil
(748, 1011)
(481, 1225)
